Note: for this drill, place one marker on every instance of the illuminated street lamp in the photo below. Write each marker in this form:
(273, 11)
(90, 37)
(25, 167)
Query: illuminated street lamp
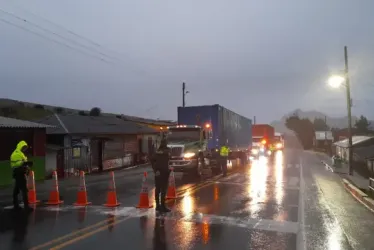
(337, 81)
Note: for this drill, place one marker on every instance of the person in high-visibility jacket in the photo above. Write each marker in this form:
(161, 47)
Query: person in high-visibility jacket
(224, 154)
(20, 167)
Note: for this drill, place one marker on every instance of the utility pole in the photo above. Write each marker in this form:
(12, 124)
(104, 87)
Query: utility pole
(326, 134)
(254, 120)
(349, 109)
(184, 94)
(325, 130)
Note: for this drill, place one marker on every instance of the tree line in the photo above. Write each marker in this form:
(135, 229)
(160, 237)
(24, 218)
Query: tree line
(305, 129)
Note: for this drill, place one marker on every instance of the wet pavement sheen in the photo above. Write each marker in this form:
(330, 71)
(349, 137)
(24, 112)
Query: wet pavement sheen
(288, 203)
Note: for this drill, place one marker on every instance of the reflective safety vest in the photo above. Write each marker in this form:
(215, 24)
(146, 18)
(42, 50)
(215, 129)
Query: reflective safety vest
(18, 158)
(224, 151)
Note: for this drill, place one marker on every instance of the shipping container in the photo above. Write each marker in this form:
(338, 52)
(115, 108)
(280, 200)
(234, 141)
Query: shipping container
(226, 125)
(263, 130)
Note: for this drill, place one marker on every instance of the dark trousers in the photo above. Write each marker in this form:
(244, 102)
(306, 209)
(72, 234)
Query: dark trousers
(20, 185)
(223, 161)
(161, 182)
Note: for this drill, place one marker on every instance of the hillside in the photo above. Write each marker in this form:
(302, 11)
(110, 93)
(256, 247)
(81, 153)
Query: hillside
(334, 122)
(33, 111)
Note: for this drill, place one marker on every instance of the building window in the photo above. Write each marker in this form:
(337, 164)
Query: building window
(76, 152)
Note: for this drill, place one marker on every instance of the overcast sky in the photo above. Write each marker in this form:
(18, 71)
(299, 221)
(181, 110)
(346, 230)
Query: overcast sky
(263, 58)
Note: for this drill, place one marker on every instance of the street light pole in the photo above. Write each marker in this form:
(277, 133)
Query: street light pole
(184, 94)
(349, 109)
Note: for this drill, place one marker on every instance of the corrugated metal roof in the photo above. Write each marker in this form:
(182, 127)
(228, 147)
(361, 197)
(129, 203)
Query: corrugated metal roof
(147, 121)
(322, 135)
(365, 152)
(77, 124)
(6, 122)
(356, 139)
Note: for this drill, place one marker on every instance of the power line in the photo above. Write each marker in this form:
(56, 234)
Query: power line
(54, 41)
(54, 33)
(71, 32)
(60, 26)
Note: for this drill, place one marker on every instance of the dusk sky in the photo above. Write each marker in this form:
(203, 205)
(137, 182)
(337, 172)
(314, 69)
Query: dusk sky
(262, 58)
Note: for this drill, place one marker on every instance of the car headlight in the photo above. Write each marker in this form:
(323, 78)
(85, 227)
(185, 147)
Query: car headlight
(188, 155)
(255, 151)
(279, 145)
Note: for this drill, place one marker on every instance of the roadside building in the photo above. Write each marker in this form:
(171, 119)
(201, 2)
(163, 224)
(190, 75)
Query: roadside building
(93, 143)
(358, 141)
(341, 134)
(11, 132)
(149, 141)
(323, 141)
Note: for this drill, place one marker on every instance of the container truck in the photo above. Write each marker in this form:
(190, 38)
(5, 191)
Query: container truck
(262, 139)
(201, 131)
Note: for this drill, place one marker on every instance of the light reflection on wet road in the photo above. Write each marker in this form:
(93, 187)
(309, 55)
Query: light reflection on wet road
(254, 207)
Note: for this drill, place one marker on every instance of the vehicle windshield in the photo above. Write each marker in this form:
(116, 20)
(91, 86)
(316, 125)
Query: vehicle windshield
(184, 134)
(256, 139)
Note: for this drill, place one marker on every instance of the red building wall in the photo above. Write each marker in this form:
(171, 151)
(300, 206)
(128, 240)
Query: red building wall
(39, 142)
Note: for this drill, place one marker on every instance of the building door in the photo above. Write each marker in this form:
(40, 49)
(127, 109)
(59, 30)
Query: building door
(150, 146)
(60, 164)
(100, 155)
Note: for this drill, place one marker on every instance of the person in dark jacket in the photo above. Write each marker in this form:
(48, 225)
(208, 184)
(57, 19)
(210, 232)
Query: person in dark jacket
(160, 165)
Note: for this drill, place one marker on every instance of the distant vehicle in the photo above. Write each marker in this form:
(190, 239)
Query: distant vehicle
(278, 141)
(201, 130)
(262, 140)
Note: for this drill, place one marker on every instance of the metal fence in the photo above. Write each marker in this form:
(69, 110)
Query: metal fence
(371, 185)
(75, 159)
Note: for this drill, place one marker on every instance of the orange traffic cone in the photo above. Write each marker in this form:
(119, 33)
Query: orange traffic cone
(144, 197)
(82, 192)
(172, 193)
(112, 194)
(31, 188)
(54, 195)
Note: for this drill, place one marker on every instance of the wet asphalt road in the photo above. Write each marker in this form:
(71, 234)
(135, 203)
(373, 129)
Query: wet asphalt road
(291, 203)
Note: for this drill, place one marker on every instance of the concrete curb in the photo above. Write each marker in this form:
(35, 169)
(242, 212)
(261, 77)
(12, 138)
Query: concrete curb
(328, 167)
(359, 195)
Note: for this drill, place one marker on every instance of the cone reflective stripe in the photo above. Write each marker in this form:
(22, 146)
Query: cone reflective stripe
(144, 196)
(112, 194)
(54, 195)
(82, 192)
(31, 188)
(172, 192)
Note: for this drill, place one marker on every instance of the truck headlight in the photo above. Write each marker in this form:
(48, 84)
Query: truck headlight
(188, 155)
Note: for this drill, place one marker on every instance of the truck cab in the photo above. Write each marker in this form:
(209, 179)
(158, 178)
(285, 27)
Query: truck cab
(260, 147)
(188, 147)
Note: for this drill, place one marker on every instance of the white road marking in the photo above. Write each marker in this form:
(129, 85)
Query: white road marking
(248, 223)
(293, 181)
(230, 177)
(285, 187)
(301, 237)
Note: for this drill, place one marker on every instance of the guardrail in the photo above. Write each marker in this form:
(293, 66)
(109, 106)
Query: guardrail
(371, 184)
